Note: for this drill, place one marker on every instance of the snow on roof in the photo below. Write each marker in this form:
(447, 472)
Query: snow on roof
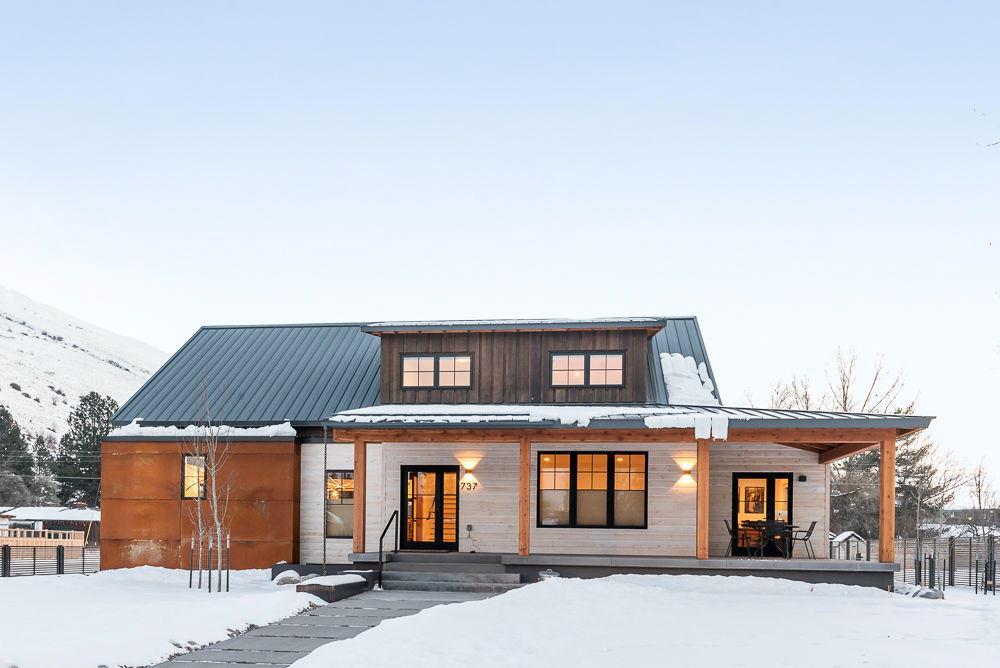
(841, 537)
(688, 384)
(517, 321)
(54, 513)
(653, 417)
(135, 429)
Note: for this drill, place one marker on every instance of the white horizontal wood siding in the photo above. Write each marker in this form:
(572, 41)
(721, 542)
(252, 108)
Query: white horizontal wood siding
(492, 507)
(810, 499)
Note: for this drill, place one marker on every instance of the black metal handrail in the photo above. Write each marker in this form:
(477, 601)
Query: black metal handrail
(381, 539)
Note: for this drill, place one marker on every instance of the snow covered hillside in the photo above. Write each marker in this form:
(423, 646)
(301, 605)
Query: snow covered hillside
(48, 359)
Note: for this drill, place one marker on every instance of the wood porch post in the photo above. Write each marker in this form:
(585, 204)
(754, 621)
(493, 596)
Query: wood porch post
(701, 516)
(523, 497)
(887, 500)
(360, 485)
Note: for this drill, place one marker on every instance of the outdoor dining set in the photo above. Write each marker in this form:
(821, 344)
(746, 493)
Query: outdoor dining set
(756, 536)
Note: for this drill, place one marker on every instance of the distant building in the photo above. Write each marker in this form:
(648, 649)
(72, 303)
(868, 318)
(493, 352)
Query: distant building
(54, 518)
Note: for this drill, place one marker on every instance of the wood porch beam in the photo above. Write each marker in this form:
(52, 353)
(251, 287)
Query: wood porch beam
(524, 498)
(360, 487)
(863, 437)
(887, 501)
(846, 450)
(702, 502)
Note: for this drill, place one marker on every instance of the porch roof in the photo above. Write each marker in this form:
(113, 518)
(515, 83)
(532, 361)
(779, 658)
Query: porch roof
(707, 421)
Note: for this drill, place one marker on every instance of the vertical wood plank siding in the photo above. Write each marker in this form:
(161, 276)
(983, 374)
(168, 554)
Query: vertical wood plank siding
(513, 367)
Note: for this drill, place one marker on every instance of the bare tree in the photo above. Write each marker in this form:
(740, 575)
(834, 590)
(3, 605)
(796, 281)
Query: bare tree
(210, 513)
(985, 516)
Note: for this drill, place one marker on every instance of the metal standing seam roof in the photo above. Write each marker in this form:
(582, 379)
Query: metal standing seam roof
(264, 374)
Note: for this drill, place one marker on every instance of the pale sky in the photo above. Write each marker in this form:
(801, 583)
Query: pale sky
(798, 178)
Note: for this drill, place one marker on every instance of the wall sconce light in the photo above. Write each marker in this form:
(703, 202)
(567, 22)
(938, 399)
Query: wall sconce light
(686, 469)
(469, 463)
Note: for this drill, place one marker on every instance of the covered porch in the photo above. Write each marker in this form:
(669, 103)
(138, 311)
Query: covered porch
(706, 433)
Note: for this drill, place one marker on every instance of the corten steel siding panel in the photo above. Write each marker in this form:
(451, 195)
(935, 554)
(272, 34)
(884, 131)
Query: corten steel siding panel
(147, 523)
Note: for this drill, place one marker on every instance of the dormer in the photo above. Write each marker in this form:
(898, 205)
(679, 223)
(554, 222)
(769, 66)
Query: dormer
(516, 361)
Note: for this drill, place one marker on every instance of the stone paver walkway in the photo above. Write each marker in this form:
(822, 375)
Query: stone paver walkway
(284, 642)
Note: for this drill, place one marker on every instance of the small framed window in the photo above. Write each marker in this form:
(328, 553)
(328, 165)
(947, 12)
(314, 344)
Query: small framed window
(598, 369)
(437, 371)
(193, 477)
(339, 504)
(592, 489)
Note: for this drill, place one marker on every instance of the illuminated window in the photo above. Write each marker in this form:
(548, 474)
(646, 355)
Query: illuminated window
(554, 489)
(194, 477)
(592, 489)
(339, 504)
(418, 371)
(437, 371)
(588, 369)
(455, 371)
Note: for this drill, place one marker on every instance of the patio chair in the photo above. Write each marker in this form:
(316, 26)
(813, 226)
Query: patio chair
(732, 539)
(803, 537)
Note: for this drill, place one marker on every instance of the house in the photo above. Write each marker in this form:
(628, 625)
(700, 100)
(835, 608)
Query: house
(583, 446)
(848, 545)
(64, 525)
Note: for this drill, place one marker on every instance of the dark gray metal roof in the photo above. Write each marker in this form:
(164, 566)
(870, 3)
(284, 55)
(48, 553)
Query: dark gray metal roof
(261, 374)
(679, 335)
(644, 322)
(255, 375)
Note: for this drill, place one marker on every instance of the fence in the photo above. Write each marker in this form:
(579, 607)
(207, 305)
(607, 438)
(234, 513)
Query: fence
(18, 560)
(41, 537)
(951, 562)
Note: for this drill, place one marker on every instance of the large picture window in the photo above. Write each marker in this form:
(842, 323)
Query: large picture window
(339, 504)
(592, 489)
(599, 369)
(193, 470)
(437, 371)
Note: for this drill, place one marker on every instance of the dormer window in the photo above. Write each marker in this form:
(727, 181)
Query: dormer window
(437, 371)
(597, 369)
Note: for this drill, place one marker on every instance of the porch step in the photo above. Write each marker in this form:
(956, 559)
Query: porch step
(468, 587)
(424, 567)
(438, 576)
(444, 557)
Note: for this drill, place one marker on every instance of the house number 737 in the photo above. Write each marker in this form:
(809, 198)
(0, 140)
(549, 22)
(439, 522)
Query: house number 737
(469, 486)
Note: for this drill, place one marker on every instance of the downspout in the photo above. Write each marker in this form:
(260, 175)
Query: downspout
(324, 500)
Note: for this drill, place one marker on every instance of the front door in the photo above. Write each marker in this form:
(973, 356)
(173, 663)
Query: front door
(430, 507)
(756, 497)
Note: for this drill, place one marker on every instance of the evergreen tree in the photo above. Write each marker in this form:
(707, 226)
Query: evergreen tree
(78, 462)
(15, 456)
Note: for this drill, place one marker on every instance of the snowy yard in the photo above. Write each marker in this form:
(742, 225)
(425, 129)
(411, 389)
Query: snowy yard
(665, 620)
(128, 617)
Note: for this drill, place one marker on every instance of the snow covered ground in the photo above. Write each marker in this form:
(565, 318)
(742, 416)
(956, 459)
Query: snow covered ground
(128, 617)
(662, 620)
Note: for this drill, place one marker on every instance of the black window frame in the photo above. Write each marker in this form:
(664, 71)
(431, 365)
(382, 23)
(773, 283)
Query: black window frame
(586, 368)
(437, 371)
(573, 489)
(326, 502)
(204, 484)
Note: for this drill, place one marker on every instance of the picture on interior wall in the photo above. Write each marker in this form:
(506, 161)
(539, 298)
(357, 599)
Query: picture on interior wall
(753, 500)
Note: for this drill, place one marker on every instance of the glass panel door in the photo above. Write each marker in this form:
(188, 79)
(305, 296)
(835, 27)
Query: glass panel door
(759, 497)
(430, 507)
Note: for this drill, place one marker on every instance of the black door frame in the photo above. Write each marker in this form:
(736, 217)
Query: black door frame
(439, 542)
(769, 477)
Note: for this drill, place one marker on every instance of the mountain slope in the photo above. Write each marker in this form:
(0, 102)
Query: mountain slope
(48, 359)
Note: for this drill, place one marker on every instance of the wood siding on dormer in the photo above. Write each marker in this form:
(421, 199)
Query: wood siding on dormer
(513, 367)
